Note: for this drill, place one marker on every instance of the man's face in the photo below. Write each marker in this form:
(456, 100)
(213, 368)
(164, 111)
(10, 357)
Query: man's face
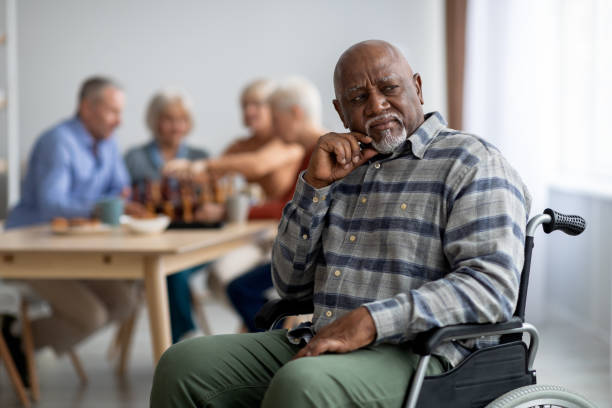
(102, 115)
(256, 114)
(379, 96)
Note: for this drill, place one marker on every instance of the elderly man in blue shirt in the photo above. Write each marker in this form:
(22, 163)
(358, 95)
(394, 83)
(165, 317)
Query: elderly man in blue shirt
(74, 165)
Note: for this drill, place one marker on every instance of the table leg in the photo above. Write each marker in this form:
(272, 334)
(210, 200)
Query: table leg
(157, 304)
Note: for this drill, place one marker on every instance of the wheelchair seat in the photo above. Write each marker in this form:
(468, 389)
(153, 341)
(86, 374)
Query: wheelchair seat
(479, 379)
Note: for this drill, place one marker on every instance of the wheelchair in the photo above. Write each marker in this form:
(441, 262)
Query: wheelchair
(501, 376)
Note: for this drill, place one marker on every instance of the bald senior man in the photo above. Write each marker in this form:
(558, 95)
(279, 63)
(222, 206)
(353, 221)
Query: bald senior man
(396, 227)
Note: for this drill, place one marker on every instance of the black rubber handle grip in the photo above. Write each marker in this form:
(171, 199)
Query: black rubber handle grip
(570, 224)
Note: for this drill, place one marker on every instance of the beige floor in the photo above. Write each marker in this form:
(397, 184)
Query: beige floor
(566, 358)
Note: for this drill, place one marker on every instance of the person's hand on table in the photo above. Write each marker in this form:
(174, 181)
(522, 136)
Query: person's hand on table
(210, 212)
(135, 209)
(350, 332)
(336, 155)
(184, 169)
(126, 192)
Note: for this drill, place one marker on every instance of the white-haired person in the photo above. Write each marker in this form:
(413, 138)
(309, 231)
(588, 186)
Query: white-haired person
(169, 117)
(296, 117)
(262, 157)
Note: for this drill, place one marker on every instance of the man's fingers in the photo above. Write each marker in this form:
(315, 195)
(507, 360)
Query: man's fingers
(317, 347)
(312, 349)
(339, 153)
(301, 353)
(348, 153)
(321, 347)
(366, 154)
(353, 151)
(361, 137)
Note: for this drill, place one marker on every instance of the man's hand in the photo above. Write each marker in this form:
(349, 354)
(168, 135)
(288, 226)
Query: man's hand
(210, 212)
(135, 209)
(350, 332)
(336, 155)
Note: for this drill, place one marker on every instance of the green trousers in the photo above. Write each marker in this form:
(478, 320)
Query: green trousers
(251, 370)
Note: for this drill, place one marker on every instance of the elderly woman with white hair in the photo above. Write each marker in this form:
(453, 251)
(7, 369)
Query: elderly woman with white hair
(169, 118)
(296, 116)
(262, 157)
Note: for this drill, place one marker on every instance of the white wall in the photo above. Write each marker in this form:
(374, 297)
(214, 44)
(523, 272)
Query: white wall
(512, 93)
(580, 268)
(210, 48)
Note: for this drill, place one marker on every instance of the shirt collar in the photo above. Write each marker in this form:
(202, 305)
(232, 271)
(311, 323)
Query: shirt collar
(420, 140)
(82, 134)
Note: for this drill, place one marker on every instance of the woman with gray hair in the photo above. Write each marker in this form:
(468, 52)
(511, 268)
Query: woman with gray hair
(169, 118)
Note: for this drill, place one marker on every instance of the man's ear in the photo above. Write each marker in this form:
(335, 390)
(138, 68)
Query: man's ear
(339, 110)
(416, 78)
(84, 108)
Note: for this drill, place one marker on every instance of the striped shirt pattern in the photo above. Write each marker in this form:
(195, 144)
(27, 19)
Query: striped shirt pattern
(429, 236)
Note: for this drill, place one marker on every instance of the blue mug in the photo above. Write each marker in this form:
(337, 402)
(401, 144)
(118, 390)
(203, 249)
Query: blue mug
(110, 210)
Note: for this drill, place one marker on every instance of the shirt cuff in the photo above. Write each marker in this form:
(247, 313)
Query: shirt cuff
(388, 316)
(310, 199)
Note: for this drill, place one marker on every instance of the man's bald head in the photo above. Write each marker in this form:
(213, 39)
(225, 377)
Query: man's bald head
(378, 94)
(370, 50)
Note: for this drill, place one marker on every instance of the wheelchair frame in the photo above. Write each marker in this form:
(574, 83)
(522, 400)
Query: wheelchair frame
(485, 381)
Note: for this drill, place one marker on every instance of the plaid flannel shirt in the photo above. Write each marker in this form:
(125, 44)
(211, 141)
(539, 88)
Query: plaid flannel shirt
(429, 236)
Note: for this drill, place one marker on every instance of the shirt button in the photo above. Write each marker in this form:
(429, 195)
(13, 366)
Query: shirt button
(352, 238)
(328, 313)
(377, 165)
(337, 272)
(363, 200)
(305, 236)
(315, 199)
(323, 198)
(403, 206)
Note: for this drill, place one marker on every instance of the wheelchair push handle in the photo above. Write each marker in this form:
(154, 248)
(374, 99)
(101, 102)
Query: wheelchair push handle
(570, 224)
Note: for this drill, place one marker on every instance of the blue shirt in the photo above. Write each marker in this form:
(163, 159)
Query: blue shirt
(69, 171)
(145, 163)
(429, 236)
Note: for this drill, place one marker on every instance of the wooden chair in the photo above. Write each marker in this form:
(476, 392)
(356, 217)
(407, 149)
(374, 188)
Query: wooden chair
(18, 385)
(122, 343)
(28, 348)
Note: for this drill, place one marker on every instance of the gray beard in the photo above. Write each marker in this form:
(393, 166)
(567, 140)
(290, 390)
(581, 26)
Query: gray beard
(389, 143)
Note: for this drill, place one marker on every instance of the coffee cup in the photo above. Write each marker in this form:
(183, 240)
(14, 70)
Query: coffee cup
(238, 208)
(109, 210)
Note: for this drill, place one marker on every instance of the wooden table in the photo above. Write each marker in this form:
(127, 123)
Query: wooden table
(33, 253)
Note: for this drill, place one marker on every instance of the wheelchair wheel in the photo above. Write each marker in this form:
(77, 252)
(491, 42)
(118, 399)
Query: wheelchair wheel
(544, 396)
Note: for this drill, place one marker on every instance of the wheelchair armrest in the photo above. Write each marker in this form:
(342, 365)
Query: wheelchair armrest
(426, 342)
(279, 308)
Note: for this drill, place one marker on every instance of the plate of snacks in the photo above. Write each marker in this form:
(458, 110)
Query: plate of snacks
(146, 224)
(79, 226)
